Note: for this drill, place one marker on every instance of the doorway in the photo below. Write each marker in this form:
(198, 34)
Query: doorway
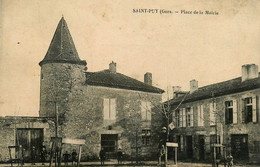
(30, 138)
(201, 147)
(189, 149)
(109, 144)
(239, 146)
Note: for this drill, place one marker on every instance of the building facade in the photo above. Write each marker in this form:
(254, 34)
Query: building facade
(226, 113)
(108, 109)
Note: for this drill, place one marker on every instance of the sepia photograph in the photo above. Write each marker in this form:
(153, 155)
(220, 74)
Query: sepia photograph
(130, 83)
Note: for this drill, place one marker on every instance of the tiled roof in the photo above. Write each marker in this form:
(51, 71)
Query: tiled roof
(219, 89)
(107, 78)
(62, 48)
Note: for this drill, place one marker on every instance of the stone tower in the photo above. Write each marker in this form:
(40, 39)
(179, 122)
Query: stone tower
(61, 71)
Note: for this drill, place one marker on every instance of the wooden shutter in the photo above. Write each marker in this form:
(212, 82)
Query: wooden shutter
(143, 110)
(199, 116)
(211, 112)
(174, 120)
(148, 111)
(112, 109)
(254, 109)
(191, 116)
(181, 143)
(106, 109)
(243, 110)
(226, 113)
(184, 117)
(234, 112)
(181, 117)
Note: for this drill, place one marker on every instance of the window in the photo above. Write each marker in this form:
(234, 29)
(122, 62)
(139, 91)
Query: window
(249, 111)
(146, 110)
(184, 117)
(180, 117)
(189, 117)
(109, 109)
(229, 112)
(200, 115)
(146, 137)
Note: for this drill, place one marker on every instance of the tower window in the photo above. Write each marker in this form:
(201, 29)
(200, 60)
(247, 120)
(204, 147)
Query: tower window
(41, 76)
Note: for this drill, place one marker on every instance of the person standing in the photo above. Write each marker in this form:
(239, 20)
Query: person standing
(43, 154)
(74, 156)
(33, 155)
(66, 157)
(162, 145)
(230, 160)
(102, 155)
(119, 156)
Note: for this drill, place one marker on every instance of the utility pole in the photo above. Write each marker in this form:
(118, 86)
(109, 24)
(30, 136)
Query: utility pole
(56, 131)
(136, 148)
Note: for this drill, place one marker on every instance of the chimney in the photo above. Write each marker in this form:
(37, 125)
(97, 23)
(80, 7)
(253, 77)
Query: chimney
(148, 79)
(176, 90)
(112, 67)
(193, 85)
(249, 71)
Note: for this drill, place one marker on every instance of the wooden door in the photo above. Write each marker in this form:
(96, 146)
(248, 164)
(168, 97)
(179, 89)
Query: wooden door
(239, 146)
(30, 138)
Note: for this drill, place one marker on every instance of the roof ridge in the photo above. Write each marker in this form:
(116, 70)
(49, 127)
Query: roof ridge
(118, 80)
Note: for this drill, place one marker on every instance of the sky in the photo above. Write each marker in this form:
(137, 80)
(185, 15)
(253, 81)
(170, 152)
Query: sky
(175, 48)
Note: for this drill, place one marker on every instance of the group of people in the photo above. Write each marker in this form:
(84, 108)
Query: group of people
(102, 156)
(44, 155)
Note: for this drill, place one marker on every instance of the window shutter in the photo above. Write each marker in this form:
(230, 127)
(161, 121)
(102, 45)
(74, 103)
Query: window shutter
(184, 117)
(181, 116)
(106, 109)
(199, 116)
(181, 143)
(113, 109)
(254, 109)
(191, 116)
(243, 111)
(226, 114)
(174, 118)
(234, 112)
(148, 111)
(143, 110)
(211, 112)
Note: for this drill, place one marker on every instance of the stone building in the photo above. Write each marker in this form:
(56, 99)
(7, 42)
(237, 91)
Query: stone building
(106, 108)
(225, 113)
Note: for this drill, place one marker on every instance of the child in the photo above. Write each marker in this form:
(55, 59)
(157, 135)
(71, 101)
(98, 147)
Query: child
(102, 155)
(229, 160)
(119, 156)
(66, 157)
(74, 156)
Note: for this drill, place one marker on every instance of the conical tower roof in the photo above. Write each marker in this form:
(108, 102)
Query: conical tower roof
(62, 48)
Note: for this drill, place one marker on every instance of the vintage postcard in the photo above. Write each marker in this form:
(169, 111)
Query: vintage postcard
(129, 82)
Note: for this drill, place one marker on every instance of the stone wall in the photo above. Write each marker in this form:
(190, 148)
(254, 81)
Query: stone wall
(56, 84)
(8, 126)
(84, 120)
